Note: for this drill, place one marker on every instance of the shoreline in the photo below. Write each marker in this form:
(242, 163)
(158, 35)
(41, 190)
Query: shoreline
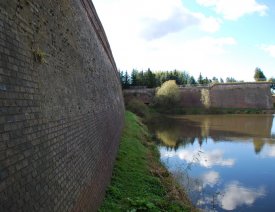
(212, 111)
(139, 180)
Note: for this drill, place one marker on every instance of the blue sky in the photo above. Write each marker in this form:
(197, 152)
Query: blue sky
(221, 38)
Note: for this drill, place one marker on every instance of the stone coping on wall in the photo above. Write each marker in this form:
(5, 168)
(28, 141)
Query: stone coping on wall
(98, 27)
(240, 83)
(143, 90)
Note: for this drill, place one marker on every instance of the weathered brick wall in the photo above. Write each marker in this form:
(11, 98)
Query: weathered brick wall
(61, 106)
(190, 97)
(226, 95)
(145, 95)
(241, 95)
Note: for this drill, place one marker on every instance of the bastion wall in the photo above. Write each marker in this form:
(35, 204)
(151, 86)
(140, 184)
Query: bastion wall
(241, 95)
(225, 95)
(61, 106)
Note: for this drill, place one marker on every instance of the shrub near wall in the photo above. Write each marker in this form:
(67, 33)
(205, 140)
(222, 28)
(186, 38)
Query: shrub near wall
(167, 96)
(61, 106)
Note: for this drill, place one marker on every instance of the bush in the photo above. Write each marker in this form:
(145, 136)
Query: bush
(138, 107)
(167, 95)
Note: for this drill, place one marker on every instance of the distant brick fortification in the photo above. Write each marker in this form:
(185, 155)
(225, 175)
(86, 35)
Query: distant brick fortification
(61, 106)
(241, 95)
(226, 95)
(144, 94)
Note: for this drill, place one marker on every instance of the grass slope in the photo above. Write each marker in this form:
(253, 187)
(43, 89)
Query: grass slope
(139, 182)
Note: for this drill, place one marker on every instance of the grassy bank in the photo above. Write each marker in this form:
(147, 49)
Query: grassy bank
(140, 182)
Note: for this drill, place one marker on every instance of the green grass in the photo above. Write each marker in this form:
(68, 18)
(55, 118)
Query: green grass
(133, 186)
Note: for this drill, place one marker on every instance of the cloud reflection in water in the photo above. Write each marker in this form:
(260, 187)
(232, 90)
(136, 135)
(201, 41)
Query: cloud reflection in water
(235, 195)
(210, 178)
(269, 151)
(205, 159)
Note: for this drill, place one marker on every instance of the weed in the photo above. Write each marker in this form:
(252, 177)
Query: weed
(39, 55)
(139, 204)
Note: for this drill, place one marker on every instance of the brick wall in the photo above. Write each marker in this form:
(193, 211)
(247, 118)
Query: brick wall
(146, 95)
(226, 95)
(240, 95)
(61, 106)
(190, 97)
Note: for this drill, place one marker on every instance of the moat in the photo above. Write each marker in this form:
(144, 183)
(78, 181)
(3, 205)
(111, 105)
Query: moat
(225, 162)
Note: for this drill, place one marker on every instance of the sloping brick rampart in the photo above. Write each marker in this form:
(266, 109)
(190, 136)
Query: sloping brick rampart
(61, 106)
(241, 95)
(145, 95)
(226, 95)
(191, 97)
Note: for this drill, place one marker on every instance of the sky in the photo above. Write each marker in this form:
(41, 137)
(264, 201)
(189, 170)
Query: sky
(221, 38)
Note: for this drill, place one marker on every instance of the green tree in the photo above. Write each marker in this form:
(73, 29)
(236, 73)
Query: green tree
(192, 81)
(259, 75)
(230, 79)
(121, 77)
(200, 79)
(272, 86)
(150, 79)
(206, 81)
(134, 77)
(126, 80)
(184, 78)
(168, 95)
(215, 80)
(140, 78)
(175, 75)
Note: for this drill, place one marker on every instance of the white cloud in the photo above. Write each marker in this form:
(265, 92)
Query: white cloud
(166, 35)
(235, 195)
(178, 20)
(155, 34)
(150, 19)
(206, 159)
(270, 49)
(170, 52)
(234, 9)
(210, 178)
(209, 24)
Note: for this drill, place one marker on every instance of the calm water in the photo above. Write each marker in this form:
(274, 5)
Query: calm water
(225, 162)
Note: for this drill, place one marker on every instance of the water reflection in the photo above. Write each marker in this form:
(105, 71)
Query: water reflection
(184, 130)
(210, 178)
(201, 157)
(225, 162)
(269, 151)
(235, 195)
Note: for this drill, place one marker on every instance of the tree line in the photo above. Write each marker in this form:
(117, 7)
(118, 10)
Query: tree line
(260, 76)
(154, 79)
